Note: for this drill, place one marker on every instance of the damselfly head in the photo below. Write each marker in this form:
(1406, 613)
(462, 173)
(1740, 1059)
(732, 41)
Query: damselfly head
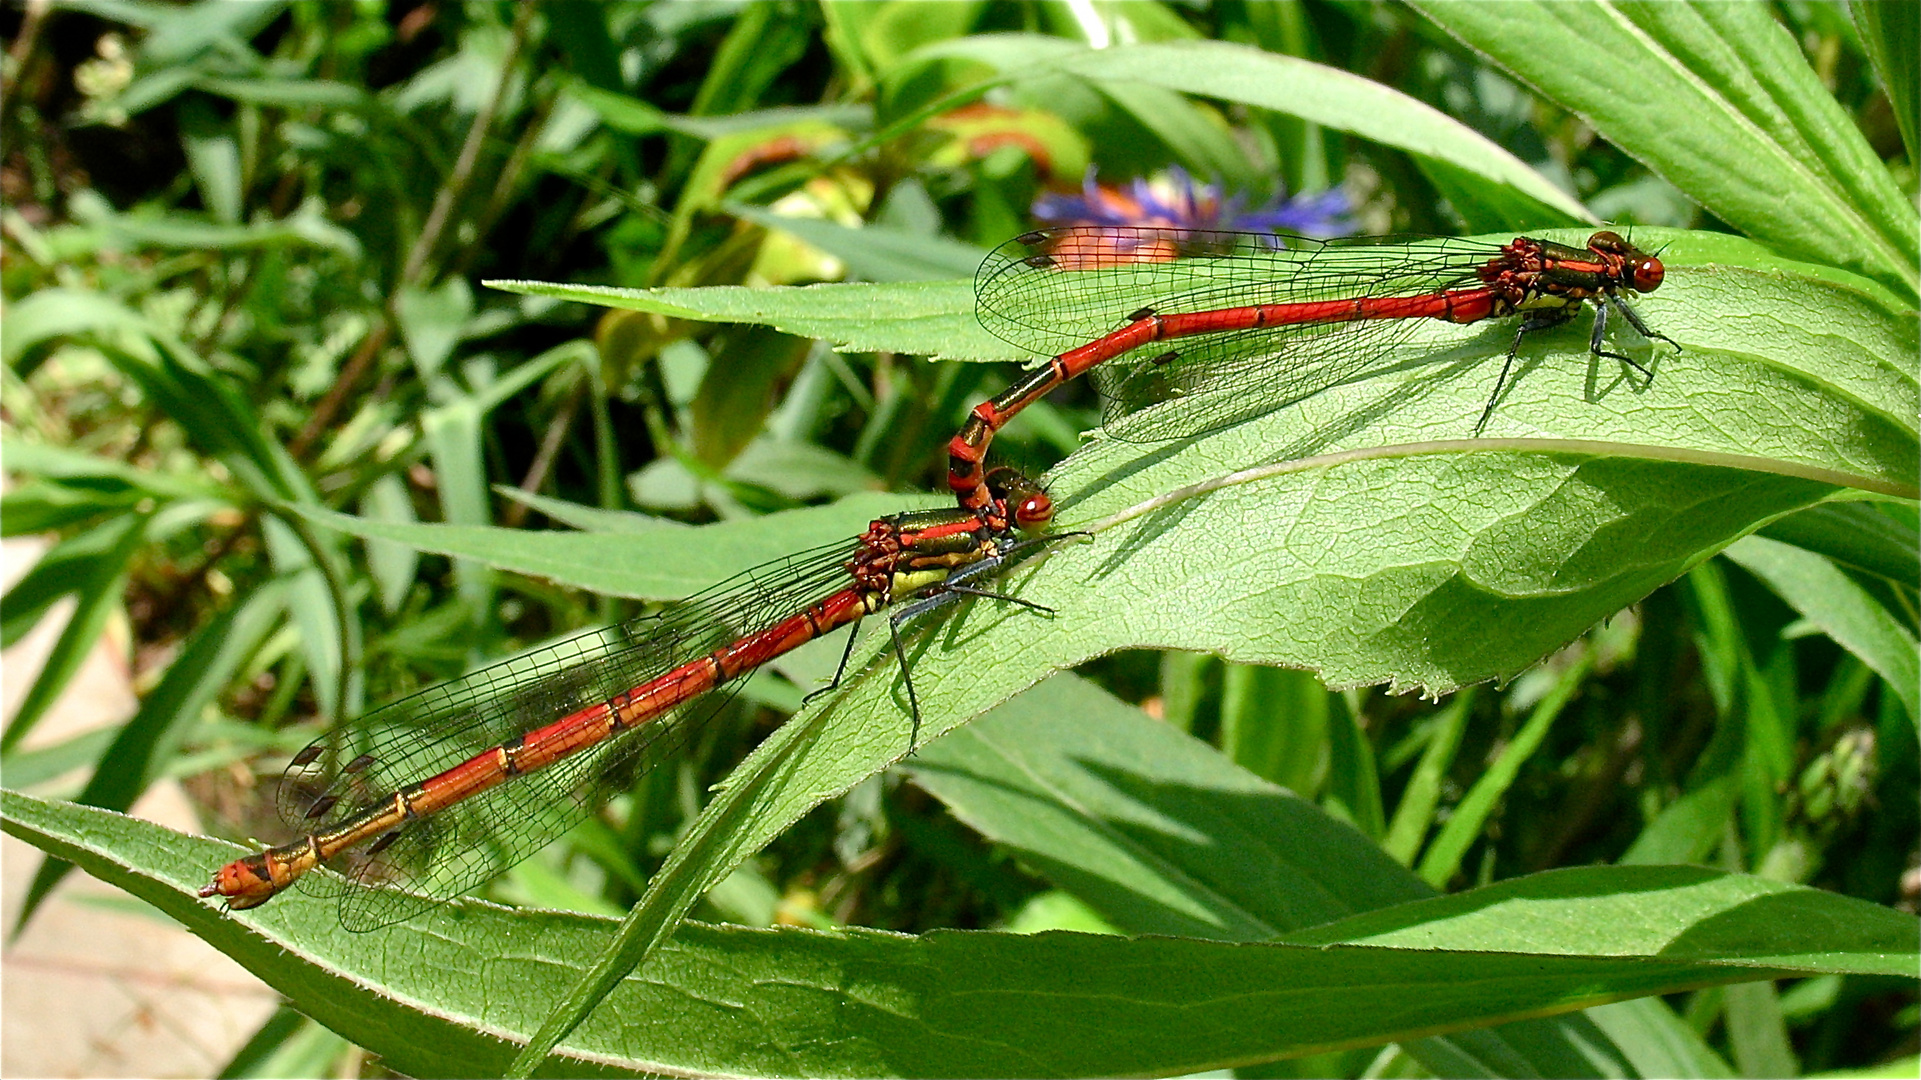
(1028, 506)
(1647, 274)
(1644, 271)
(1033, 511)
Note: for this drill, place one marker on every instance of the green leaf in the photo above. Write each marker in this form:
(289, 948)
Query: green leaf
(1156, 830)
(759, 1002)
(1842, 609)
(182, 36)
(1756, 1034)
(50, 314)
(1190, 134)
(1482, 206)
(288, 93)
(585, 518)
(1103, 600)
(654, 564)
(307, 226)
(1338, 100)
(1274, 724)
(1718, 100)
(1161, 834)
(1499, 554)
(455, 430)
(143, 93)
(1557, 536)
(1687, 830)
(329, 641)
(1465, 825)
(145, 744)
(1354, 779)
(1675, 912)
(801, 470)
(60, 463)
(28, 768)
(1422, 796)
(874, 253)
(214, 415)
(289, 1044)
(391, 564)
(1656, 1041)
(636, 117)
(1888, 33)
(761, 42)
(620, 111)
(1782, 360)
(736, 395)
(213, 157)
(431, 321)
(97, 586)
(38, 507)
(924, 318)
(1335, 99)
(1856, 536)
(59, 572)
(585, 45)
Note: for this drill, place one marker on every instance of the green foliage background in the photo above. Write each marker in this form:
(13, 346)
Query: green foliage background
(349, 347)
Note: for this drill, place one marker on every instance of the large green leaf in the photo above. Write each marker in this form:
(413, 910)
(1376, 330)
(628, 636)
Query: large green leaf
(1364, 534)
(437, 997)
(1771, 344)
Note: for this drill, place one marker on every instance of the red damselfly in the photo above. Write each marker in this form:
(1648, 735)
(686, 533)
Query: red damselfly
(429, 796)
(1263, 320)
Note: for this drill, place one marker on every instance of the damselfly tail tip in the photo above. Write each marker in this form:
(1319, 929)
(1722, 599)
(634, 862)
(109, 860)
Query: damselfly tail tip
(256, 879)
(1020, 498)
(242, 883)
(1646, 275)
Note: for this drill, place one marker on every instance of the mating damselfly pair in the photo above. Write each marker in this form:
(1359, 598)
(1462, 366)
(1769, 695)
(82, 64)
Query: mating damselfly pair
(431, 796)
